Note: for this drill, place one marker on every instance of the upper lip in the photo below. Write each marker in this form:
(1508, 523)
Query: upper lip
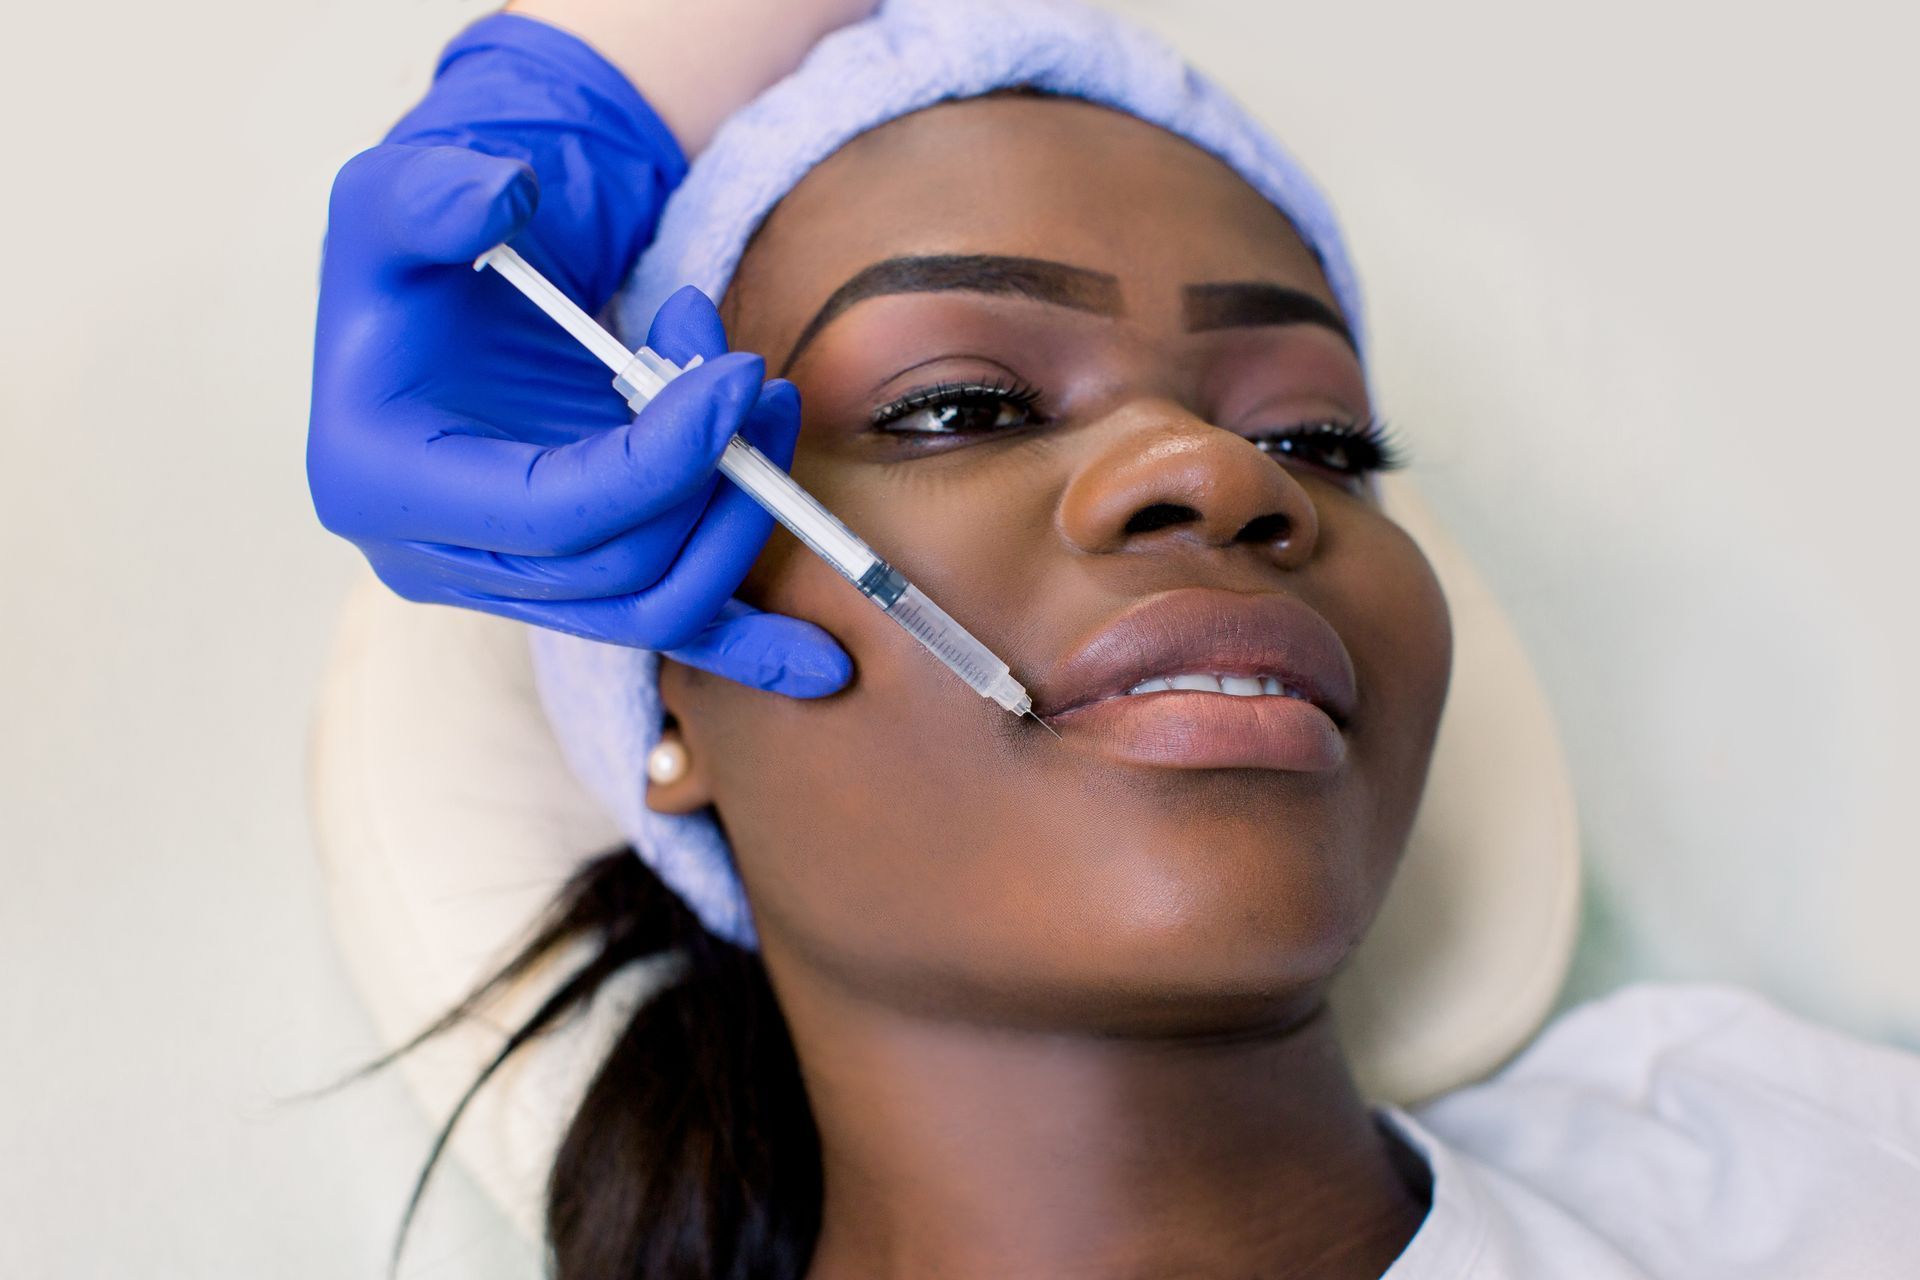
(1203, 630)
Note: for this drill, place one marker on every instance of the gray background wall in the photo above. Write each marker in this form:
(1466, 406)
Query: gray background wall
(1642, 279)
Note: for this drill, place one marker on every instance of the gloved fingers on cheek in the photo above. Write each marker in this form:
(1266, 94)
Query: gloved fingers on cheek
(718, 633)
(718, 557)
(719, 551)
(730, 534)
(768, 651)
(405, 204)
(714, 559)
(687, 325)
(764, 650)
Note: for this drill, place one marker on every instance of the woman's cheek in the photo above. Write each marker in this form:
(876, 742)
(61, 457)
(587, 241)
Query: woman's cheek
(1399, 631)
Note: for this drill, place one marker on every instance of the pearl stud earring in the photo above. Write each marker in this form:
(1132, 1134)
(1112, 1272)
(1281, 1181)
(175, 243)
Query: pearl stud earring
(667, 763)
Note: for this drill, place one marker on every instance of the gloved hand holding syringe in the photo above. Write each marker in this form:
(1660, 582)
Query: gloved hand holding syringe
(640, 375)
(458, 438)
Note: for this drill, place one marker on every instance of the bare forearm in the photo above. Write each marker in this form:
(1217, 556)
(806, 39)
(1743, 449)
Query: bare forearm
(698, 61)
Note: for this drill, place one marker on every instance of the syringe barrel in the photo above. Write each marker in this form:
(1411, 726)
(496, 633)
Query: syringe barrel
(948, 641)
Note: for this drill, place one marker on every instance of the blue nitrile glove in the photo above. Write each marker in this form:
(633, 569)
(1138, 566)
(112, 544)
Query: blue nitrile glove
(475, 452)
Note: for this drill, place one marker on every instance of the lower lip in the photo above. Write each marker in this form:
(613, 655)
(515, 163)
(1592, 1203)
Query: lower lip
(1186, 729)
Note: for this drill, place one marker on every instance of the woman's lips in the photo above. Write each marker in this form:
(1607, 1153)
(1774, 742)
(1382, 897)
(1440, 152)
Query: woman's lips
(1191, 634)
(1209, 731)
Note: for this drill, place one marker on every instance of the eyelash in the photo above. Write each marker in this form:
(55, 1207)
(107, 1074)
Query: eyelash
(953, 396)
(1371, 444)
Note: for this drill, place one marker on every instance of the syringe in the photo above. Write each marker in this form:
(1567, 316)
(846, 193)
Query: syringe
(639, 376)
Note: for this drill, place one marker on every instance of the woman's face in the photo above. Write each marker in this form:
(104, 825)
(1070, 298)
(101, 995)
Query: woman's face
(1040, 347)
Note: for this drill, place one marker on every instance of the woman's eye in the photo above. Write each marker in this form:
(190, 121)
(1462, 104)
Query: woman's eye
(955, 409)
(1352, 449)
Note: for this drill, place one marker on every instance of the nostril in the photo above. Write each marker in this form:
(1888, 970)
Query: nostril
(1159, 516)
(1268, 530)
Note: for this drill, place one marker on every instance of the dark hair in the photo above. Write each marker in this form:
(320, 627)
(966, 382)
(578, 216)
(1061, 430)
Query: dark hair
(693, 1155)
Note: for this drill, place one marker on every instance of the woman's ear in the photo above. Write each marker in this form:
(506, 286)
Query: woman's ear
(676, 782)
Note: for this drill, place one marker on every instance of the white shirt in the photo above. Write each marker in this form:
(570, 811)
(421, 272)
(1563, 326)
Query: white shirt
(1686, 1131)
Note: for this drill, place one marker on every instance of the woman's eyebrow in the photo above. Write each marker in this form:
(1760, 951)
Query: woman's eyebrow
(1058, 283)
(1253, 302)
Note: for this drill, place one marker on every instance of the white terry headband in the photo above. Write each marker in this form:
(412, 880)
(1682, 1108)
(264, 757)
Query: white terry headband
(603, 700)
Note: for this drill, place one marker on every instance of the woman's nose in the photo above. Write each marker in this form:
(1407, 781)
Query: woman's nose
(1166, 478)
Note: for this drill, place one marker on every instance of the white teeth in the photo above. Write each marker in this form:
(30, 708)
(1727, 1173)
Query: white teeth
(1234, 686)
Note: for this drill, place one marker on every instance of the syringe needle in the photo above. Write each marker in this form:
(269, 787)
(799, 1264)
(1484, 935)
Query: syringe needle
(1044, 725)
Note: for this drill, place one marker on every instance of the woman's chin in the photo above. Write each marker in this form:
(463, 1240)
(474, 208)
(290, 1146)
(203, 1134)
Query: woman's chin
(1201, 1002)
(1121, 973)
(1224, 940)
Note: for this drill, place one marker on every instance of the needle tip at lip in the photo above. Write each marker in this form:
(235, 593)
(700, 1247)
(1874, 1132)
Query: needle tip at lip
(1043, 724)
